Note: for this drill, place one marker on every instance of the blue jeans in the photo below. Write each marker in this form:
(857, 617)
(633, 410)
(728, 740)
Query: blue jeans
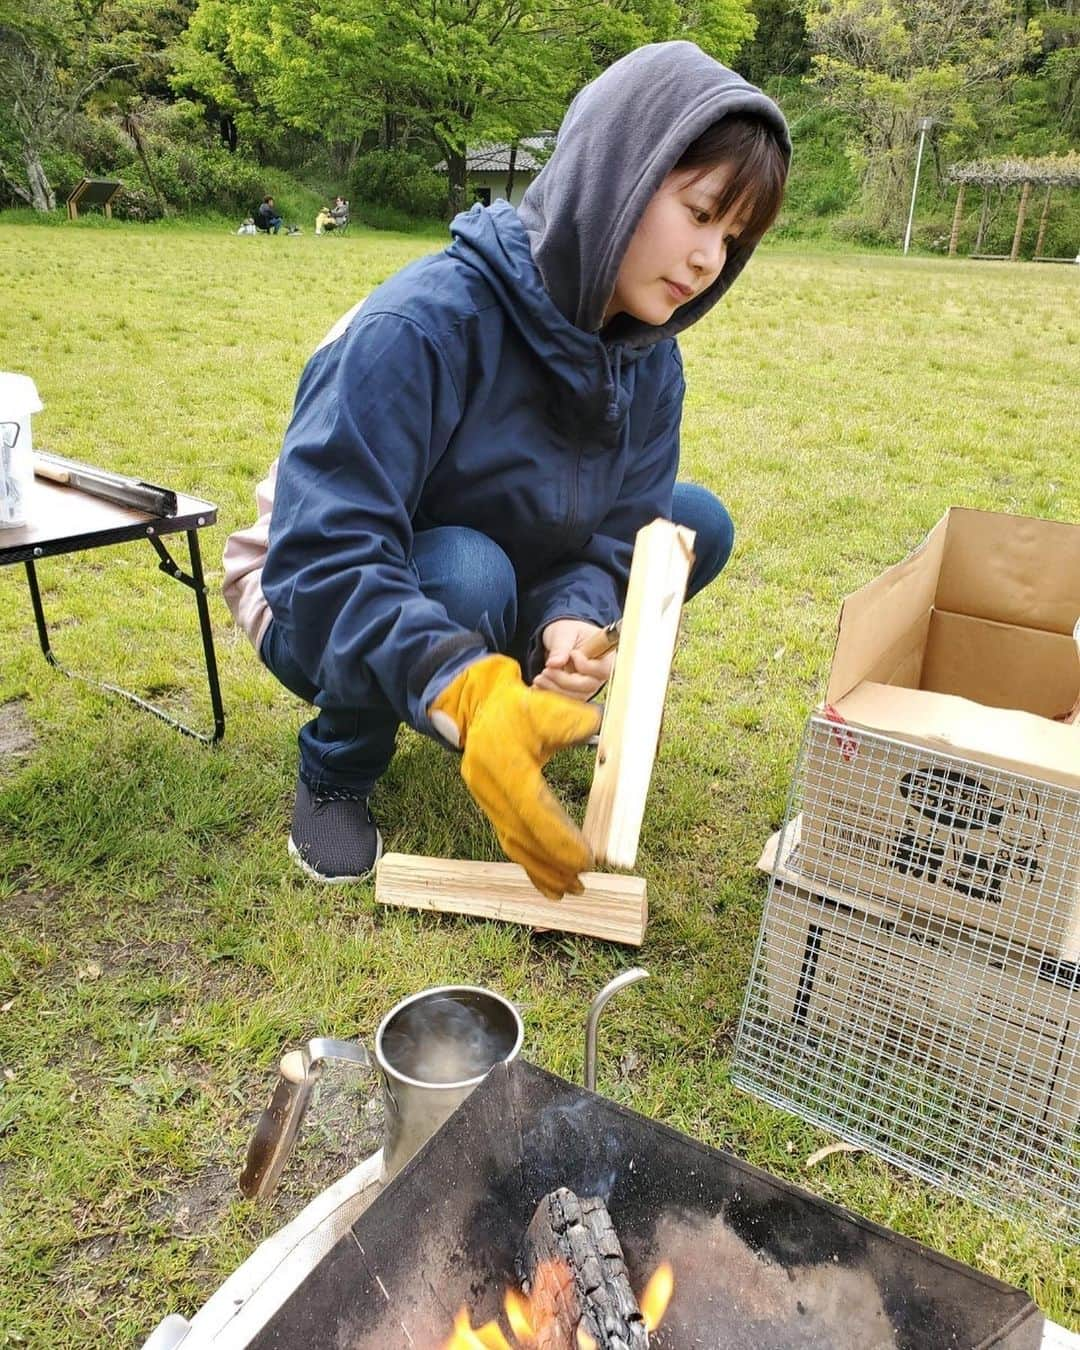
(474, 580)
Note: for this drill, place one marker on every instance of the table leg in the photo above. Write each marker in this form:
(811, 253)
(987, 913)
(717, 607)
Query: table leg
(39, 614)
(197, 583)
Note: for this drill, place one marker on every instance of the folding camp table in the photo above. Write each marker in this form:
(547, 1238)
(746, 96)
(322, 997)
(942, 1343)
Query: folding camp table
(68, 520)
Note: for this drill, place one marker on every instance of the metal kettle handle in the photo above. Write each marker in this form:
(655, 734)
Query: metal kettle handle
(623, 981)
(277, 1128)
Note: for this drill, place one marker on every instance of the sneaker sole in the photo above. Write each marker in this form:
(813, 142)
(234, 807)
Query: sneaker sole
(306, 867)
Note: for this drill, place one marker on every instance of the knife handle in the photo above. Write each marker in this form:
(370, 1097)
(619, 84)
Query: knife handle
(602, 641)
(50, 471)
(279, 1124)
(276, 1131)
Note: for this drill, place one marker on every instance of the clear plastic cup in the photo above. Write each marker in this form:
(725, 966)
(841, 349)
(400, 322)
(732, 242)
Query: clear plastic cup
(18, 401)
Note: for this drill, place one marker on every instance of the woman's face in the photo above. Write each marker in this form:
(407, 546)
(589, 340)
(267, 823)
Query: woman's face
(678, 249)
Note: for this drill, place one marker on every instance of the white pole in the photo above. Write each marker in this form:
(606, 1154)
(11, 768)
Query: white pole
(925, 123)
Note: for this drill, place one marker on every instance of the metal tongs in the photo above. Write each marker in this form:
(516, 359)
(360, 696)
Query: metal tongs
(113, 487)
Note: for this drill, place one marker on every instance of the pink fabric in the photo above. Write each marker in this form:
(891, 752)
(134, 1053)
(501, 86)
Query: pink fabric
(245, 553)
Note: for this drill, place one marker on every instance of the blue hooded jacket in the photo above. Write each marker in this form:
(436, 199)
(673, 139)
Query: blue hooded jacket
(476, 388)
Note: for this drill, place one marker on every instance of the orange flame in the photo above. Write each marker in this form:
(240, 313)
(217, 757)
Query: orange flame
(657, 1296)
(525, 1318)
(487, 1337)
(518, 1314)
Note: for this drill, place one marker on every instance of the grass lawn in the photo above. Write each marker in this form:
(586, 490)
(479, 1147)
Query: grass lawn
(157, 950)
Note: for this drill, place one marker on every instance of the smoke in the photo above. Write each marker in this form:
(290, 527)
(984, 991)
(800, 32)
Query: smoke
(442, 1041)
(574, 1131)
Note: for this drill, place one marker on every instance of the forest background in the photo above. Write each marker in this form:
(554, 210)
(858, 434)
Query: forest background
(201, 107)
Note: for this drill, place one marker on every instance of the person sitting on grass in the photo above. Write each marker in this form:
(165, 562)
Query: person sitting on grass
(334, 217)
(474, 447)
(266, 216)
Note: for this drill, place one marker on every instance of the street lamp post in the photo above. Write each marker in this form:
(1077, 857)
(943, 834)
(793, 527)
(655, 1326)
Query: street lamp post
(925, 123)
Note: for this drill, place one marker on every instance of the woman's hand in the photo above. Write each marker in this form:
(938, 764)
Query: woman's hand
(567, 670)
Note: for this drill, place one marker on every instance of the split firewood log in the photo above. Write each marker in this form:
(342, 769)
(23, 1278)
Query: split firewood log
(571, 1266)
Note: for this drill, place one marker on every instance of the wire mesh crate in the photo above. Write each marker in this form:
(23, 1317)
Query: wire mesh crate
(910, 990)
(981, 846)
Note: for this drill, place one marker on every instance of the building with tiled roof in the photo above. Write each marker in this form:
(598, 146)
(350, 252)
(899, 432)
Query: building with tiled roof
(488, 167)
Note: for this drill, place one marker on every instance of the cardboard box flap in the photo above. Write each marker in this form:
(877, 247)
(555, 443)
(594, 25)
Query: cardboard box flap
(1012, 569)
(879, 617)
(1017, 741)
(998, 665)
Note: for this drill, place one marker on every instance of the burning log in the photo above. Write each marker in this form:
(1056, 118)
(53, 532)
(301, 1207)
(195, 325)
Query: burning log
(576, 1290)
(572, 1268)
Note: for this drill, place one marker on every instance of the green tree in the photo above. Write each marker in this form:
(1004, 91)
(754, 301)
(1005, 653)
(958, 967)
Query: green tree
(887, 63)
(475, 71)
(439, 73)
(1057, 81)
(56, 57)
(205, 66)
(48, 66)
(261, 62)
(779, 43)
(488, 69)
(720, 27)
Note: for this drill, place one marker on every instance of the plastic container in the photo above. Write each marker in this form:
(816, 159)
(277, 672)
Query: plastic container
(18, 401)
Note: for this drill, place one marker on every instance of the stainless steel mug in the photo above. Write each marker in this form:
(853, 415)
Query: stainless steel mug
(432, 1049)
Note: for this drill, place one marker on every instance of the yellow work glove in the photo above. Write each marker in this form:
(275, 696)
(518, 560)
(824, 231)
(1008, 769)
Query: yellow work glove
(507, 733)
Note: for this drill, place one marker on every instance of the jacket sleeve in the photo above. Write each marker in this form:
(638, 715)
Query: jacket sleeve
(592, 584)
(374, 411)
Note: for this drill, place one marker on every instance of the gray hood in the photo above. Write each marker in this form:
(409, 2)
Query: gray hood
(620, 138)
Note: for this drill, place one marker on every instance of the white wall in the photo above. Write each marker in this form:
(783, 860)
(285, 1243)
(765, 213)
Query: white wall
(497, 183)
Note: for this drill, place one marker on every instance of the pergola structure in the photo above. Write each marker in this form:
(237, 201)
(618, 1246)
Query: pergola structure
(1049, 171)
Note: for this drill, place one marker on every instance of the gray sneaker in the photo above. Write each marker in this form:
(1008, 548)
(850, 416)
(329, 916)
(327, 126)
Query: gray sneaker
(334, 837)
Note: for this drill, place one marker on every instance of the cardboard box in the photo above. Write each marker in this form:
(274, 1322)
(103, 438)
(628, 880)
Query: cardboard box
(921, 1031)
(936, 776)
(782, 858)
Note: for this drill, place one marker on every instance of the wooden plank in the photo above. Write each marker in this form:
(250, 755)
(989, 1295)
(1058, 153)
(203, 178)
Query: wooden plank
(663, 554)
(612, 907)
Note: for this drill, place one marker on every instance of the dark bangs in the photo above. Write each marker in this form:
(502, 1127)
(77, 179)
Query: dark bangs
(753, 152)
